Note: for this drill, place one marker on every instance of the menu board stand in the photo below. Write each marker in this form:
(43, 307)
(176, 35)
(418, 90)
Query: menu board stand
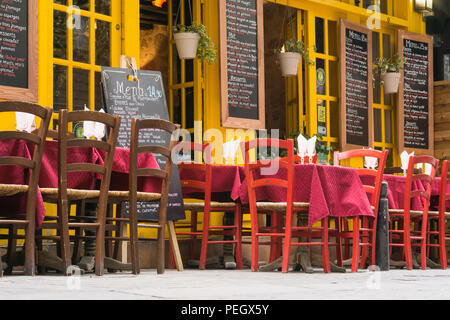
(19, 53)
(356, 110)
(242, 64)
(415, 98)
(143, 99)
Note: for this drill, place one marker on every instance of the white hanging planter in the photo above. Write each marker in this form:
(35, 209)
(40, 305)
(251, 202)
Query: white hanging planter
(390, 82)
(289, 62)
(187, 43)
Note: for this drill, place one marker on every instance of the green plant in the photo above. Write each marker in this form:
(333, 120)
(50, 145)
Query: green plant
(294, 45)
(383, 64)
(205, 49)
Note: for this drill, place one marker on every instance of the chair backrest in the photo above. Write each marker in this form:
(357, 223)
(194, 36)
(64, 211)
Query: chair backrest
(298, 159)
(286, 163)
(203, 186)
(36, 139)
(67, 141)
(375, 189)
(443, 195)
(427, 181)
(137, 126)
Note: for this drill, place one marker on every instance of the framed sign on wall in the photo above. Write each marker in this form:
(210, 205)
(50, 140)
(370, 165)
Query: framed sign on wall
(19, 50)
(356, 110)
(242, 64)
(415, 98)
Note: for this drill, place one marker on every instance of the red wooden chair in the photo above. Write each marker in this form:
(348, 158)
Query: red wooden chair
(29, 189)
(287, 208)
(404, 237)
(441, 216)
(203, 187)
(365, 235)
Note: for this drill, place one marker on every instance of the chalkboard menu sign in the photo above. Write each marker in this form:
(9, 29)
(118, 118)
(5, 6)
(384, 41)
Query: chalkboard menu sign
(18, 50)
(415, 111)
(242, 63)
(143, 99)
(356, 86)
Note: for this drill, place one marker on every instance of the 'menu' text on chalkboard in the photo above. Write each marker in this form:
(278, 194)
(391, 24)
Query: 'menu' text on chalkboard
(14, 43)
(415, 94)
(356, 88)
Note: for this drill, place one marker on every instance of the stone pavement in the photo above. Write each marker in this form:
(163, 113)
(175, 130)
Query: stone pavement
(221, 284)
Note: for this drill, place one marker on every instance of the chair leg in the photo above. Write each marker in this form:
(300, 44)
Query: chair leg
(193, 241)
(355, 243)
(1, 266)
(29, 250)
(205, 236)
(287, 243)
(338, 227)
(365, 239)
(238, 237)
(12, 247)
(173, 243)
(407, 245)
(134, 238)
(442, 249)
(423, 243)
(160, 268)
(325, 252)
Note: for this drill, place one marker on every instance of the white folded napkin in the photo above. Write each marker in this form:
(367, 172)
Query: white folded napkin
(230, 149)
(404, 157)
(302, 146)
(25, 122)
(88, 127)
(99, 131)
(311, 148)
(371, 162)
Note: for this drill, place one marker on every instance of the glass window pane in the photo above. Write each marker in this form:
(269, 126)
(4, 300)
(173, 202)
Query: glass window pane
(320, 76)
(59, 88)
(99, 104)
(388, 125)
(59, 34)
(102, 43)
(322, 118)
(103, 7)
(82, 4)
(332, 38)
(375, 55)
(80, 89)
(334, 119)
(64, 2)
(334, 78)
(377, 124)
(320, 45)
(81, 39)
(387, 54)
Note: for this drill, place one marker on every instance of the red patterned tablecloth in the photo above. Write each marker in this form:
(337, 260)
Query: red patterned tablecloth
(331, 191)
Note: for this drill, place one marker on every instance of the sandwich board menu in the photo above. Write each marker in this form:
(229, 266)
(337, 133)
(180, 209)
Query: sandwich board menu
(356, 86)
(242, 63)
(415, 95)
(18, 50)
(143, 99)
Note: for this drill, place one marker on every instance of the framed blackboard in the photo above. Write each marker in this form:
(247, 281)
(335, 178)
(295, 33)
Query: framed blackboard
(356, 110)
(242, 63)
(143, 99)
(415, 95)
(19, 50)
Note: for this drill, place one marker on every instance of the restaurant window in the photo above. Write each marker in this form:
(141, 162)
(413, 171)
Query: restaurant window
(86, 36)
(327, 79)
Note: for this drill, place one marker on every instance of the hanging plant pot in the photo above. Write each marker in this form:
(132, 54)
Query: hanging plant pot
(390, 82)
(289, 62)
(187, 43)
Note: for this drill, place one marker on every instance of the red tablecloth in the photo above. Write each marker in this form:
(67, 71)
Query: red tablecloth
(49, 172)
(396, 191)
(331, 191)
(226, 182)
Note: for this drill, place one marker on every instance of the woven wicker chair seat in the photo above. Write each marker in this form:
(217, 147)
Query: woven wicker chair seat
(7, 190)
(192, 206)
(141, 196)
(415, 214)
(279, 206)
(72, 194)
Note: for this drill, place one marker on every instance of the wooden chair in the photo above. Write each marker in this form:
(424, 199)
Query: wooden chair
(33, 165)
(134, 196)
(65, 196)
(207, 206)
(408, 238)
(364, 234)
(288, 208)
(442, 215)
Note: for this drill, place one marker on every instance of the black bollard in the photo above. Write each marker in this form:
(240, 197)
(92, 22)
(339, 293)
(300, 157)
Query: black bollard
(382, 243)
